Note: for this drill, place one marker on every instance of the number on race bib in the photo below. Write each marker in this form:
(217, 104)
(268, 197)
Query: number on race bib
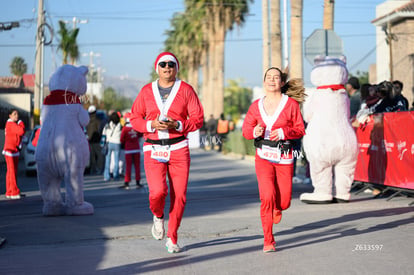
(161, 153)
(271, 153)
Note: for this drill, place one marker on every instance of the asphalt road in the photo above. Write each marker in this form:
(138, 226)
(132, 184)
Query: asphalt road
(220, 232)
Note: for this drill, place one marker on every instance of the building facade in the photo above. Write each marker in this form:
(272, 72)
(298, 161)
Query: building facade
(395, 44)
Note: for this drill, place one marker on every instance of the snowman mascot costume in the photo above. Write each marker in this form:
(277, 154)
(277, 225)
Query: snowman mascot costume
(330, 142)
(62, 152)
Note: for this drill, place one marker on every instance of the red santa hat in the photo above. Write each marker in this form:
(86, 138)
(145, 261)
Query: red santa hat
(166, 56)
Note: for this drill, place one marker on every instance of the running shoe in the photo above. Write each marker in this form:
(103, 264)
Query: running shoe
(277, 216)
(269, 248)
(125, 186)
(17, 197)
(172, 248)
(158, 228)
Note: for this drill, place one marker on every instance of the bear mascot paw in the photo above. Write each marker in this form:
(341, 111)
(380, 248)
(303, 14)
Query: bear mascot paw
(62, 151)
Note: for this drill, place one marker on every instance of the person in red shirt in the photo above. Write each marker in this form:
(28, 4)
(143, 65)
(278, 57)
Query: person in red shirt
(273, 121)
(14, 131)
(36, 137)
(130, 141)
(165, 111)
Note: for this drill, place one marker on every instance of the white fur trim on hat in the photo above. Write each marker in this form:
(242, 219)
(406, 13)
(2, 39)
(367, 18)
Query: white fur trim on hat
(166, 56)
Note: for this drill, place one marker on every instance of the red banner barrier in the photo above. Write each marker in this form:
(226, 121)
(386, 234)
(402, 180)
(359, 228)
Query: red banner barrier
(386, 150)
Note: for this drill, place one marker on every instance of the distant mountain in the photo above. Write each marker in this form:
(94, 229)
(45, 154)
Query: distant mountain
(125, 86)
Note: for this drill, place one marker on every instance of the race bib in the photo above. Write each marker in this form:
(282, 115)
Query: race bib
(161, 153)
(271, 153)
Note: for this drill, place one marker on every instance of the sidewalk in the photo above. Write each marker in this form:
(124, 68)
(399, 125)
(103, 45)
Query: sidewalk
(220, 232)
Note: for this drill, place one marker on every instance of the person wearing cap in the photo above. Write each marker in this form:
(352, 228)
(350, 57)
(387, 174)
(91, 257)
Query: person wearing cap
(130, 140)
(165, 111)
(352, 87)
(14, 131)
(94, 138)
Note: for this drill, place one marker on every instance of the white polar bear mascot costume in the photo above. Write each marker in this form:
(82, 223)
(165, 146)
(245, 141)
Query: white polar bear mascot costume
(62, 151)
(330, 142)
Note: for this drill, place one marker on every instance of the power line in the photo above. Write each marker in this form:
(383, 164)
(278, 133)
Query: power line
(363, 58)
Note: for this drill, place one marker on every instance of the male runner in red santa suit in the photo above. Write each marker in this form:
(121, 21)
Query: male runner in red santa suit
(14, 131)
(272, 118)
(165, 111)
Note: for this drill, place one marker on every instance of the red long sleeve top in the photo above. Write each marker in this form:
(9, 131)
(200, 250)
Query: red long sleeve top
(14, 132)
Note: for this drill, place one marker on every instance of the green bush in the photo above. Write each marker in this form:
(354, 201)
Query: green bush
(236, 143)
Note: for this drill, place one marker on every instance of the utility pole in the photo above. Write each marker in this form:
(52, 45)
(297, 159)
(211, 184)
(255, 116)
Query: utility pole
(389, 38)
(38, 88)
(328, 14)
(77, 20)
(91, 55)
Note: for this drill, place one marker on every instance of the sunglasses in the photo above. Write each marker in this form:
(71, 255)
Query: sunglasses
(170, 64)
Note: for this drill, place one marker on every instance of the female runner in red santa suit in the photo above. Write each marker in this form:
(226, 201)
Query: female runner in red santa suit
(271, 120)
(165, 111)
(14, 131)
(130, 140)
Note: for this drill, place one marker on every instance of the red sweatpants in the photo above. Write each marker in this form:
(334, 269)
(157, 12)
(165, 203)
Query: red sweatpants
(129, 159)
(275, 190)
(178, 170)
(11, 176)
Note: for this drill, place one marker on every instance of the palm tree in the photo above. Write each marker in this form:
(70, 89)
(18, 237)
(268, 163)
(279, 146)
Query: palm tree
(74, 54)
(198, 36)
(275, 34)
(186, 40)
(68, 44)
(220, 17)
(18, 67)
(265, 32)
(296, 48)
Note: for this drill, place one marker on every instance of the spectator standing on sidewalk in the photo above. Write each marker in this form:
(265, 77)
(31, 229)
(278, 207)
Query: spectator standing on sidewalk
(130, 141)
(165, 111)
(400, 101)
(352, 87)
(94, 138)
(112, 131)
(14, 131)
(273, 121)
(211, 131)
(222, 131)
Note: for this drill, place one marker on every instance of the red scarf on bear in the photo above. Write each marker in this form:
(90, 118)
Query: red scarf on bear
(57, 97)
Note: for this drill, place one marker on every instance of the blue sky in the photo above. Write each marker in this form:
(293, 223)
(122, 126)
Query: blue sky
(128, 35)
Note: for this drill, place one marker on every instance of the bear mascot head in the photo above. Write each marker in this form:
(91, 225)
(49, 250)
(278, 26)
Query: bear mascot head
(62, 152)
(330, 142)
